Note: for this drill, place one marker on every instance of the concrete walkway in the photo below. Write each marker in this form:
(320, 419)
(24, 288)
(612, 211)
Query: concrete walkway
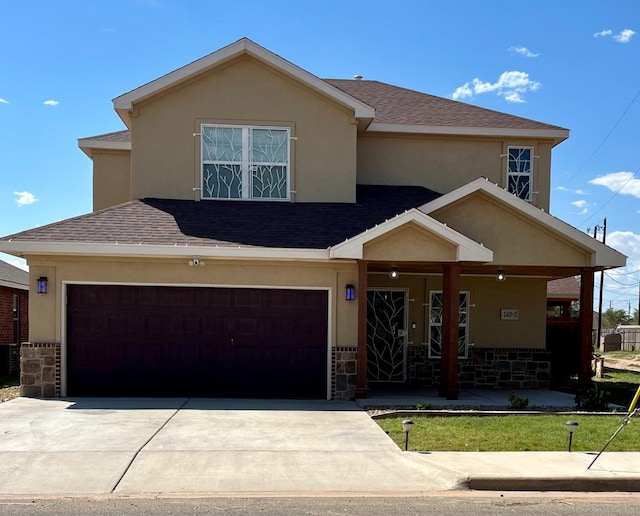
(212, 446)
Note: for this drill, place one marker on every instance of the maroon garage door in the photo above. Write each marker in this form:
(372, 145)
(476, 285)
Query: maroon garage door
(193, 341)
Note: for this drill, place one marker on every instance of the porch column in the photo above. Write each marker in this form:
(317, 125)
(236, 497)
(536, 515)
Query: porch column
(586, 324)
(361, 355)
(450, 318)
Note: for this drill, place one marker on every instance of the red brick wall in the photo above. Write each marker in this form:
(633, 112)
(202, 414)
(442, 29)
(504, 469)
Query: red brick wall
(6, 314)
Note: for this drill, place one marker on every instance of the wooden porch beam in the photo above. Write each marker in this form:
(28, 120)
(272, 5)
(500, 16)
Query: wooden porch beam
(361, 354)
(450, 324)
(586, 324)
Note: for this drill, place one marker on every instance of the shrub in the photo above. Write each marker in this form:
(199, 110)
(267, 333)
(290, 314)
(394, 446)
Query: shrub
(516, 402)
(591, 398)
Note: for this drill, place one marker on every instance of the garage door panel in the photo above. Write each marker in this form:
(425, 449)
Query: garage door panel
(188, 341)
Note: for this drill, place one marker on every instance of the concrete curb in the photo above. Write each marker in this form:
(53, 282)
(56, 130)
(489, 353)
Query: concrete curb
(480, 413)
(575, 484)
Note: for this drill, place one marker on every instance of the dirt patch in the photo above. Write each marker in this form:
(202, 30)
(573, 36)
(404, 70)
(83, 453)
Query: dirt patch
(9, 393)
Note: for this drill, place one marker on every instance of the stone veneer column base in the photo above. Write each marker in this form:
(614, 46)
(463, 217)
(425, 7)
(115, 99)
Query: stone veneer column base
(343, 373)
(40, 370)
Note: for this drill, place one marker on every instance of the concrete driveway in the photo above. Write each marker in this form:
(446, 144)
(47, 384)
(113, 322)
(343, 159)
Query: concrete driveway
(174, 445)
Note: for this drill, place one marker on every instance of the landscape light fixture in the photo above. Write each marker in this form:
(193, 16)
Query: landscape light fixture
(501, 276)
(393, 273)
(571, 426)
(42, 284)
(407, 425)
(350, 292)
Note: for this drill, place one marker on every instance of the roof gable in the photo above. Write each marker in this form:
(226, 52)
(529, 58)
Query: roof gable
(466, 249)
(601, 255)
(124, 103)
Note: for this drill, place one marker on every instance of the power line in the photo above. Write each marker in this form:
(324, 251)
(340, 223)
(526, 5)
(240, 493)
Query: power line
(606, 137)
(614, 194)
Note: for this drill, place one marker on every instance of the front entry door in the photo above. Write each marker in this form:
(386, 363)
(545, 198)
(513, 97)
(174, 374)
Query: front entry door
(386, 335)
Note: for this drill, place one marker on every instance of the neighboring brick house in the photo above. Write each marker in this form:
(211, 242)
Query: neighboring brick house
(14, 315)
(356, 234)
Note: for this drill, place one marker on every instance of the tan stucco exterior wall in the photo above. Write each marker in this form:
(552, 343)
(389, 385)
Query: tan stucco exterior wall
(487, 298)
(111, 178)
(166, 154)
(46, 310)
(409, 243)
(514, 240)
(443, 163)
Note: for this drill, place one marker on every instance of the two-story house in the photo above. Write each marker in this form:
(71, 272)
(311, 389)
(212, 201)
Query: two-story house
(259, 231)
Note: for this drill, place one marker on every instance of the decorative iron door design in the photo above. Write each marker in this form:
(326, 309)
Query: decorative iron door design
(386, 335)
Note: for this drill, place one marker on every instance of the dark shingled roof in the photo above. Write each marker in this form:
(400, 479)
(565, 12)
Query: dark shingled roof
(14, 277)
(564, 288)
(234, 223)
(396, 105)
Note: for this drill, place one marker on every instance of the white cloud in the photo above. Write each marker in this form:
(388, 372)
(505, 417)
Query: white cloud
(523, 51)
(24, 198)
(603, 33)
(565, 189)
(624, 36)
(628, 243)
(619, 182)
(51, 102)
(510, 85)
(3, 101)
(582, 205)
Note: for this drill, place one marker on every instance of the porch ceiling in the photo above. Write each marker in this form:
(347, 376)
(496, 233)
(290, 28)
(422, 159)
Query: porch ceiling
(491, 269)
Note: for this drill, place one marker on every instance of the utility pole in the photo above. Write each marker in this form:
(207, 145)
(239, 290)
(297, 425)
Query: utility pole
(604, 239)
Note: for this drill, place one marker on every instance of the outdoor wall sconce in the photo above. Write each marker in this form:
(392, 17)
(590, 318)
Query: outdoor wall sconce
(393, 273)
(196, 261)
(571, 426)
(501, 276)
(407, 425)
(350, 292)
(42, 285)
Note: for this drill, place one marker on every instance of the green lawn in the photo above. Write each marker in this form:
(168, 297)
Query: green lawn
(513, 433)
(621, 385)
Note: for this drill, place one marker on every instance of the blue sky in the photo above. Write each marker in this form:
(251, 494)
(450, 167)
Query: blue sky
(574, 63)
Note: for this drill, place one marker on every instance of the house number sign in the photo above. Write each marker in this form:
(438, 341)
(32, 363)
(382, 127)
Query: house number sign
(509, 314)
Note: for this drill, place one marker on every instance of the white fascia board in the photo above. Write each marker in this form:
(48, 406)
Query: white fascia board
(556, 134)
(87, 144)
(466, 249)
(124, 103)
(19, 248)
(11, 284)
(602, 255)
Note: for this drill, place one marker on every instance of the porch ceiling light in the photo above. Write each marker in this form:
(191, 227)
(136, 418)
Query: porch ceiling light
(501, 276)
(350, 292)
(196, 261)
(42, 284)
(393, 273)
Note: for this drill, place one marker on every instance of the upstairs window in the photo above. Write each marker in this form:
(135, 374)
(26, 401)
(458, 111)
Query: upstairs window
(245, 162)
(520, 171)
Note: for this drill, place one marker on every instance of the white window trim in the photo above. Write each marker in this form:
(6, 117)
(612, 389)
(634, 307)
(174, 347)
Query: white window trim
(246, 164)
(508, 174)
(466, 325)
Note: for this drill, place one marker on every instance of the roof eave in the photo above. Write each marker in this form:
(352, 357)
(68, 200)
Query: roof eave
(23, 248)
(557, 135)
(86, 145)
